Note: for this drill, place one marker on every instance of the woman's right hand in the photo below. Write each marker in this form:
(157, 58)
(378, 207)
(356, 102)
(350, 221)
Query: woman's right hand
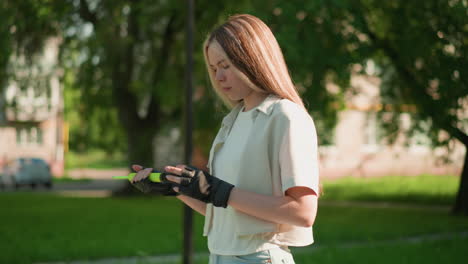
(142, 182)
(142, 173)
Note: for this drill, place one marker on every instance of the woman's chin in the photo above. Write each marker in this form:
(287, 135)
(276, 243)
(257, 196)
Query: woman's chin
(233, 98)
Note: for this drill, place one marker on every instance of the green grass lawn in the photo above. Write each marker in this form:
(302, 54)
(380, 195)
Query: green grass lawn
(423, 189)
(43, 227)
(39, 227)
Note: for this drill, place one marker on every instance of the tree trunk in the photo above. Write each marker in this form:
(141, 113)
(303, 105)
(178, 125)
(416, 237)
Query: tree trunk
(140, 146)
(140, 151)
(461, 202)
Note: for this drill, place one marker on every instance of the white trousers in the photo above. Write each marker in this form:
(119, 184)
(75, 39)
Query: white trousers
(272, 256)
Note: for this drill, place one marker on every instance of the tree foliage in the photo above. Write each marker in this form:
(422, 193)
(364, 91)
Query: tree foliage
(421, 48)
(127, 59)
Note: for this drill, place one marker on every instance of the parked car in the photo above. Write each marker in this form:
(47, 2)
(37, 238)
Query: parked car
(28, 171)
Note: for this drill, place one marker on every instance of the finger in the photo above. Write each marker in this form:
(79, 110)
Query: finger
(176, 189)
(180, 166)
(173, 178)
(173, 170)
(137, 167)
(138, 176)
(142, 174)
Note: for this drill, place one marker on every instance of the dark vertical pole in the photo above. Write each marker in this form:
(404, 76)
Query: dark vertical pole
(188, 213)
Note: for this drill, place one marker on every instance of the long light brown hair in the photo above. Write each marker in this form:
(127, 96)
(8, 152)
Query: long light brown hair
(256, 56)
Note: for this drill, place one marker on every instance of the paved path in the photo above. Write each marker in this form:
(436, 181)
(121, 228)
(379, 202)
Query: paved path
(176, 258)
(86, 188)
(96, 174)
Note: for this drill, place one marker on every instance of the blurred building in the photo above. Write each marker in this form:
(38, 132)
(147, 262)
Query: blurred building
(359, 149)
(31, 124)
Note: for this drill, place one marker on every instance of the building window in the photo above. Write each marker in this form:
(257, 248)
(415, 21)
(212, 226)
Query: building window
(26, 136)
(371, 133)
(419, 141)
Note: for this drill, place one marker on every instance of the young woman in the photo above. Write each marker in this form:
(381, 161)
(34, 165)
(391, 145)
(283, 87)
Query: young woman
(260, 195)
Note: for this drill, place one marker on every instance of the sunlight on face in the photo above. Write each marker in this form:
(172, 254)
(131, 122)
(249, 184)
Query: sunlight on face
(223, 71)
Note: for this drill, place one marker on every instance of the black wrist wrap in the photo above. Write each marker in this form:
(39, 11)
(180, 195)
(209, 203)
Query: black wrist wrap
(220, 197)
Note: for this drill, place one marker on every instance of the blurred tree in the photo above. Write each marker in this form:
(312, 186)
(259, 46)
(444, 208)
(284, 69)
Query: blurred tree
(126, 61)
(128, 56)
(421, 47)
(95, 128)
(120, 53)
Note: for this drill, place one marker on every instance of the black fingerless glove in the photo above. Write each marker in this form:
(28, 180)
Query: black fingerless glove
(201, 185)
(157, 188)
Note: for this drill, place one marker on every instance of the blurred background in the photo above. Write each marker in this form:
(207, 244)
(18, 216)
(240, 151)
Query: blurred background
(89, 87)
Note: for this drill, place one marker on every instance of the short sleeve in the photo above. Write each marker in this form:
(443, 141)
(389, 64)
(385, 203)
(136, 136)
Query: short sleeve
(298, 156)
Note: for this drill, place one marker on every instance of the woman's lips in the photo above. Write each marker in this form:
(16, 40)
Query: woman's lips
(226, 89)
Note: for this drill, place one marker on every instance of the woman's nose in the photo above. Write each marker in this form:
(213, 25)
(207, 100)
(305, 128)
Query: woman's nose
(220, 76)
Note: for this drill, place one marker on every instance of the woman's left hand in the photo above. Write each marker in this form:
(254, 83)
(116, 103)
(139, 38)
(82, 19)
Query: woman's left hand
(177, 170)
(199, 184)
(142, 182)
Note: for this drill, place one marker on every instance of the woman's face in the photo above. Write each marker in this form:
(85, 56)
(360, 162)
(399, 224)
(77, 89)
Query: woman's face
(229, 83)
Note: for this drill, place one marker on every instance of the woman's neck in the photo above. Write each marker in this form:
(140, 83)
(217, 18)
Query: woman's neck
(253, 100)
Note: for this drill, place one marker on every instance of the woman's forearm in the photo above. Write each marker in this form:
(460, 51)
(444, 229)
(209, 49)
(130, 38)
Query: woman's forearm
(298, 209)
(195, 204)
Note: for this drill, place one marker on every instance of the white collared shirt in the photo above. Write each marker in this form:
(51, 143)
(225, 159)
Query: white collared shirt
(280, 152)
(223, 240)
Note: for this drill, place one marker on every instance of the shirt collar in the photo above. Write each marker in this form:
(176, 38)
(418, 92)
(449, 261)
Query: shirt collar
(265, 107)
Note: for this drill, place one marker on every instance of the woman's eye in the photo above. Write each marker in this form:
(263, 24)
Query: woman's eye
(222, 66)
